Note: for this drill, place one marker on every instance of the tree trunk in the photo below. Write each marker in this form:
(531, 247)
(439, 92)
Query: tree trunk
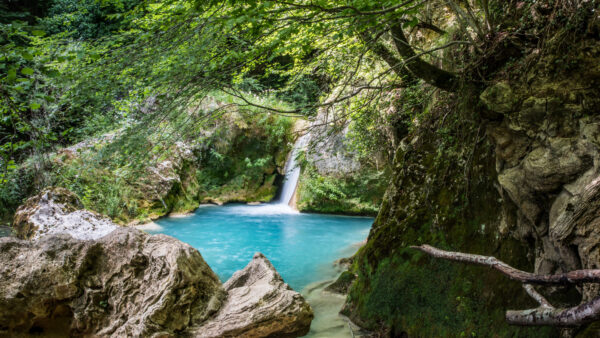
(429, 73)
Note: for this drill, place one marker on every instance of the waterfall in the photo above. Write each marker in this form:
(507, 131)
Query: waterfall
(280, 205)
(292, 172)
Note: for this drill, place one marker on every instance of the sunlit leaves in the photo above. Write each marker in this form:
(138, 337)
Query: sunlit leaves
(27, 71)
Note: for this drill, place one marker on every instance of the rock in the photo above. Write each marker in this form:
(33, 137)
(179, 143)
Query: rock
(84, 275)
(127, 283)
(57, 210)
(499, 98)
(165, 174)
(327, 149)
(259, 304)
(342, 284)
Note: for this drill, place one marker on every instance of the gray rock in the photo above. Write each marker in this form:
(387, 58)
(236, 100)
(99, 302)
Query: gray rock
(548, 165)
(327, 149)
(259, 304)
(499, 98)
(84, 275)
(127, 283)
(56, 211)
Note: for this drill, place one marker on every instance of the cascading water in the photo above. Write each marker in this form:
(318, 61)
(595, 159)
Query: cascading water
(282, 204)
(292, 172)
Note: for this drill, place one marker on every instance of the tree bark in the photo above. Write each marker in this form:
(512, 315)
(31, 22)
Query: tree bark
(383, 52)
(572, 277)
(543, 315)
(429, 73)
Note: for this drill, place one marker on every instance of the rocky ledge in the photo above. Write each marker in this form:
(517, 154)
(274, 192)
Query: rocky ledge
(55, 211)
(124, 282)
(259, 304)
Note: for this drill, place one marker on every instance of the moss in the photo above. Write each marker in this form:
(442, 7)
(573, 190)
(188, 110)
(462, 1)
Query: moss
(433, 199)
(342, 283)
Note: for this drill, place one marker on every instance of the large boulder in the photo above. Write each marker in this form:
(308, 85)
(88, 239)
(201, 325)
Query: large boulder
(55, 211)
(83, 275)
(259, 304)
(127, 283)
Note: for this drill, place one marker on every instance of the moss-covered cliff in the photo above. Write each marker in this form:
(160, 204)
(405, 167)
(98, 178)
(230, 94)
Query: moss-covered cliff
(496, 169)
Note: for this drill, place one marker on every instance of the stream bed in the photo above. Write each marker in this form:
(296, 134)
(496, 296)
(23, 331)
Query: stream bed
(302, 247)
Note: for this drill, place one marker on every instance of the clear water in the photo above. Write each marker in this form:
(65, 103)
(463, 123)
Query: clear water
(302, 247)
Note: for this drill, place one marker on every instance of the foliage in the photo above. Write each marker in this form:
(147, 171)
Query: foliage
(255, 148)
(87, 19)
(358, 194)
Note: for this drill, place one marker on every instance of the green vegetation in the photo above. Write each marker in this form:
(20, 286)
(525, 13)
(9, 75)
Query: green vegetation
(179, 102)
(238, 160)
(356, 194)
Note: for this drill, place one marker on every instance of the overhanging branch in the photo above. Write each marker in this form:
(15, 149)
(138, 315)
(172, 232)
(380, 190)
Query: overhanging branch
(429, 73)
(545, 314)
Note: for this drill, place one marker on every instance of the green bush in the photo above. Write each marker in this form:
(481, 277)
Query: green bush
(357, 194)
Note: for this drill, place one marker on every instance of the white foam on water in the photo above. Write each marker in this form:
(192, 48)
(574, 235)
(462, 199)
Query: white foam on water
(264, 209)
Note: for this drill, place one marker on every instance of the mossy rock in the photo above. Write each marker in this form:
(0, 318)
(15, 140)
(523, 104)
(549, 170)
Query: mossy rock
(342, 283)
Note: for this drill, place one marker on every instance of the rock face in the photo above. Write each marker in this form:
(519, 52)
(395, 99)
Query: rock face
(328, 151)
(127, 283)
(166, 174)
(55, 211)
(548, 164)
(259, 304)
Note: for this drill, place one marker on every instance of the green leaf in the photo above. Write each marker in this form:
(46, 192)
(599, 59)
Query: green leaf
(38, 32)
(27, 71)
(26, 55)
(34, 106)
(12, 74)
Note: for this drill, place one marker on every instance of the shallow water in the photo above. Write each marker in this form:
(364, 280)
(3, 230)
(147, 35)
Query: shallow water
(302, 247)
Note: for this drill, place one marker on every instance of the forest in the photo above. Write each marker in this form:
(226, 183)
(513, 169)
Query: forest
(462, 137)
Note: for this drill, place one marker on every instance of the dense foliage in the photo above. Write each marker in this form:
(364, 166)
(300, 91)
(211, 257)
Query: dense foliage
(129, 79)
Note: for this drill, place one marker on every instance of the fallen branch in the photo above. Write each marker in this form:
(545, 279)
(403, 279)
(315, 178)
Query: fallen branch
(574, 316)
(545, 314)
(572, 277)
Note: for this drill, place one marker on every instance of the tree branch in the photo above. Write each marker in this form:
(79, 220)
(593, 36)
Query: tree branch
(574, 316)
(537, 296)
(545, 314)
(429, 73)
(572, 277)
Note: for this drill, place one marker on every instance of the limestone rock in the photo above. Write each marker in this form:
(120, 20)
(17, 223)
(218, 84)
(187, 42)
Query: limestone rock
(342, 284)
(499, 98)
(164, 174)
(127, 283)
(327, 149)
(259, 304)
(83, 275)
(57, 210)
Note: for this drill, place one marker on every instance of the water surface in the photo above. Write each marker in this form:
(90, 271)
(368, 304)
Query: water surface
(302, 247)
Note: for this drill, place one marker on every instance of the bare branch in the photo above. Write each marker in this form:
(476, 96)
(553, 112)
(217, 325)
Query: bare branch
(574, 316)
(572, 277)
(537, 296)
(546, 314)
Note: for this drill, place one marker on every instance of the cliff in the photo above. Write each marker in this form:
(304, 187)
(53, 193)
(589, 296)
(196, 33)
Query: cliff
(507, 169)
